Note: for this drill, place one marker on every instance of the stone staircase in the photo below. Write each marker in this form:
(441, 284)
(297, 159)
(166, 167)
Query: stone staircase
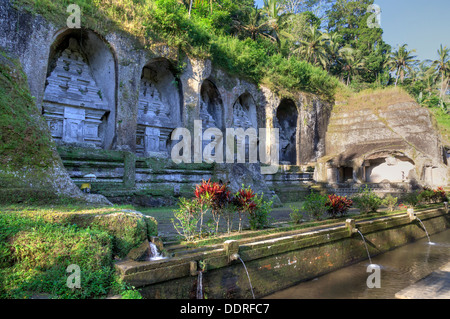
(291, 183)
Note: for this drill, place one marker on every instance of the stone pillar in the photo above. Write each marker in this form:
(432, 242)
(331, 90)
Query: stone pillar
(411, 214)
(193, 268)
(129, 174)
(351, 225)
(231, 248)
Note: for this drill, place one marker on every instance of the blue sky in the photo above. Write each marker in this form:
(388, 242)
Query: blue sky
(422, 24)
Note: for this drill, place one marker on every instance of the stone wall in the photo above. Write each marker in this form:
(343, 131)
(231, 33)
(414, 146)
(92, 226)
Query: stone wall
(275, 261)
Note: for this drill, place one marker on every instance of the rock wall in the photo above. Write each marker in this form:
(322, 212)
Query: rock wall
(106, 92)
(397, 143)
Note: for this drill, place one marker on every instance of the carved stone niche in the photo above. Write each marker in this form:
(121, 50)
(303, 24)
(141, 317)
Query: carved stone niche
(73, 104)
(286, 121)
(245, 117)
(154, 118)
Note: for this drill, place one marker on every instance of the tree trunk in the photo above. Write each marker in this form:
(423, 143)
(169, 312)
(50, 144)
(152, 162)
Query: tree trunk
(398, 74)
(190, 8)
(444, 87)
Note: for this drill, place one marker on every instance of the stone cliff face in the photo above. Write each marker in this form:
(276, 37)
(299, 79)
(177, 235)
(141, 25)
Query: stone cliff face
(112, 106)
(106, 93)
(393, 143)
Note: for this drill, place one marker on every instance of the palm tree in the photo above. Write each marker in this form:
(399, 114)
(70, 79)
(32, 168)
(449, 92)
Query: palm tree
(256, 26)
(198, 3)
(273, 11)
(314, 47)
(401, 61)
(442, 69)
(351, 64)
(276, 17)
(336, 52)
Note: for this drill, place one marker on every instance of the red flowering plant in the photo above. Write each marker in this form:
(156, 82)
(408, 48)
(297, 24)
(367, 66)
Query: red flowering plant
(214, 197)
(338, 205)
(440, 195)
(428, 195)
(219, 201)
(244, 202)
(203, 195)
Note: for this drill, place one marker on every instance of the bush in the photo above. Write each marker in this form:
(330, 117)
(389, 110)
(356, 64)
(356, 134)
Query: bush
(338, 205)
(367, 201)
(315, 205)
(390, 201)
(187, 218)
(296, 216)
(429, 195)
(259, 217)
(411, 199)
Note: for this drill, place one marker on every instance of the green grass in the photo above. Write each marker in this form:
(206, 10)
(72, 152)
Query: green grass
(443, 123)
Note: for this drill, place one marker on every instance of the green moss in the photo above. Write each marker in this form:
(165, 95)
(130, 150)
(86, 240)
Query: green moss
(25, 140)
(128, 231)
(34, 256)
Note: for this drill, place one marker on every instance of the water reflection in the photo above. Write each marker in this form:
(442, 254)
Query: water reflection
(399, 269)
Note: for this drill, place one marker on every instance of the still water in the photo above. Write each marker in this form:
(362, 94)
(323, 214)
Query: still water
(399, 269)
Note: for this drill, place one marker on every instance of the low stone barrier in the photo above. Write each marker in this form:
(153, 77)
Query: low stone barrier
(276, 261)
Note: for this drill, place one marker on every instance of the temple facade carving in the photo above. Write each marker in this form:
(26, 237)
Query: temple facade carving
(73, 104)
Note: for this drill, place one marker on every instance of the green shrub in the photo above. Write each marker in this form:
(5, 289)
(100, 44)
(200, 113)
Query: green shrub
(187, 218)
(367, 201)
(259, 217)
(411, 199)
(296, 216)
(429, 195)
(315, 205)
(390, 201)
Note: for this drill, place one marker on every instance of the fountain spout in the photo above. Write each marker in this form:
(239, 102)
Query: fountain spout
(425, 229)
(235, 257)
(351, 225)
(411, 214)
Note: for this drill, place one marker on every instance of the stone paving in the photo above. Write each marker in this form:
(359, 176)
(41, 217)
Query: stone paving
(434, 286)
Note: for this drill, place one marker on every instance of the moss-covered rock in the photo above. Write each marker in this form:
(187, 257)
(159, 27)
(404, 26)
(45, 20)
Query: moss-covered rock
(129, 229)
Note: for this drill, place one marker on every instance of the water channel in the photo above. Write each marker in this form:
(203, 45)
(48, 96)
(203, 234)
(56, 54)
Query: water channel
(399, 269)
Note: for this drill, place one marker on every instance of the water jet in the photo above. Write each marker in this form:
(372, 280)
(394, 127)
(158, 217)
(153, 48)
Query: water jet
(365, 244)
